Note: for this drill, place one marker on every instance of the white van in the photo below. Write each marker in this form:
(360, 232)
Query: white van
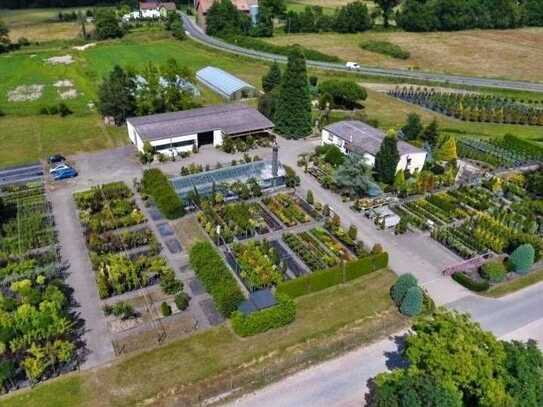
(352, 66)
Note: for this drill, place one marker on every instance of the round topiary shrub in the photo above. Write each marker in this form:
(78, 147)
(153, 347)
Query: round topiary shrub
(165, 309)
(182, 301)
(493, 271)
(412, 302)
(522, 258)
(402, 285)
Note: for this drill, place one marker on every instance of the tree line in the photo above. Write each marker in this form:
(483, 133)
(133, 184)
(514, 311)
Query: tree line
(453, 15)
(17, 4)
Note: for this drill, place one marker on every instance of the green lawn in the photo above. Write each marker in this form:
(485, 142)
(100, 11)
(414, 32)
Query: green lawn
(333, 320)
(503, 289)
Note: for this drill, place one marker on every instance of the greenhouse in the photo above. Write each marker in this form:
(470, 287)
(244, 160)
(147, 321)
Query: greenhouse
(261, 171)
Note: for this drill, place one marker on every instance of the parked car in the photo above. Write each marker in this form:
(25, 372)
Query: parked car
(55, 159)
(64, 173)
(352, 65)
(58, 167)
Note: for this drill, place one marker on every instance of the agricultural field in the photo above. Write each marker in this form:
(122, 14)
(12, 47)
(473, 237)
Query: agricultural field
(39, 330)
(42, 24)
(512, 54)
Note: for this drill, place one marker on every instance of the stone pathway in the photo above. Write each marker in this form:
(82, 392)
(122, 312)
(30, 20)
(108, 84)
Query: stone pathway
(81, 278)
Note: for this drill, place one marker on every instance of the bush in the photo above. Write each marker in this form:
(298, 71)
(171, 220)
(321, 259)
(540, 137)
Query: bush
(345, 93)
(165, 309)
(182, 301)
(412, 302)
(259, 45)
(158, 186)
(386, 48)
(216, 277)
(402, 286)
(261, 321)
(323, 279)
(469, 283)
(170, 285)
(121, 310)
(522, 259)
(493, 271)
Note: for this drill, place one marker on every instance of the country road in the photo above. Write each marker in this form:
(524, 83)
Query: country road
(198, 35)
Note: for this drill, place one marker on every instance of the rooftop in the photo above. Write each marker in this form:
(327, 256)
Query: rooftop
(235, 118)
(361, 137)
(221, 81)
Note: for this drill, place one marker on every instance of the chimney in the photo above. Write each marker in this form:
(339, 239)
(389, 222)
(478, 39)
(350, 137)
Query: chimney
(275, 159)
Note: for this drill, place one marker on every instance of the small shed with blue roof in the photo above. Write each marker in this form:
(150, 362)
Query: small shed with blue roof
(225, 84)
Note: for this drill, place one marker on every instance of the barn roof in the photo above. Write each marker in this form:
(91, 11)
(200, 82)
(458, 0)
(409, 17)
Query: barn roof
(362, 138)
(232, 119)
(221, 81)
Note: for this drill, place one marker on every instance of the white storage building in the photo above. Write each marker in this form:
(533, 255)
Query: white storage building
(180, 131)
(226, 85)
(360, 138)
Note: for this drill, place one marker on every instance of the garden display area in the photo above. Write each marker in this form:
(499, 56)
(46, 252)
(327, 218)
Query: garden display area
(501, 219)
(125, 256)
(508, 151)
(474, 107)
(38, 331)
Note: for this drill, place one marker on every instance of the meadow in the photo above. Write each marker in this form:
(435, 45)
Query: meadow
(512, 54)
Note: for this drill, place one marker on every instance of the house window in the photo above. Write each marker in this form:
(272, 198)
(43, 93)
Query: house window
(174, 145)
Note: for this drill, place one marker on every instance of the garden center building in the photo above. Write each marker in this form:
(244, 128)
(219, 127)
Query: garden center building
(180, 131)
(359, 138)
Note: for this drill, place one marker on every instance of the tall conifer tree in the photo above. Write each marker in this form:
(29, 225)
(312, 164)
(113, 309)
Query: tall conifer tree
(387, 158)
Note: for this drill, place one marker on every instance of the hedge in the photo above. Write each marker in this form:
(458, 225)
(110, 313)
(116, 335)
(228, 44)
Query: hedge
(261, 321)
(158, 186)
(469, 283)
(216, 277)
(320, 280)
(259, 45)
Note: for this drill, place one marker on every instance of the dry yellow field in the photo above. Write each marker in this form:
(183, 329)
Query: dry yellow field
(40, 25)
(513, 54)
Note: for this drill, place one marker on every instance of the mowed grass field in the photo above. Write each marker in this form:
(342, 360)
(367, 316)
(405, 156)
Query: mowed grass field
(512, 54)
(41, 24)
(27, 136)
(361, 311)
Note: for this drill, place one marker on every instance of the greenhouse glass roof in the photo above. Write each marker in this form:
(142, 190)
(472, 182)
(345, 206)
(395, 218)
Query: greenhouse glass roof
(203, 181)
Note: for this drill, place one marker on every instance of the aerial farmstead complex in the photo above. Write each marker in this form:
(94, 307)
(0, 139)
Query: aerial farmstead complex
(201, 198)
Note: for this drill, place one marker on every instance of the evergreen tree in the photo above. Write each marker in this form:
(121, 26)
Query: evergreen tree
(446, 149)
(264, 24)
(277, 8)
(272, 79)
(431, 133)
(401, 286)
(522, 258)
(116, 96)
(412, 302)
(386, 159)
(293, 110)
(352, 18)
(413, 127)
(399, 181)
(292, 23)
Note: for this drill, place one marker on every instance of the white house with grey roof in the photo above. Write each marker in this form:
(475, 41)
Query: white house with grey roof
(180, 131)
(359, 138)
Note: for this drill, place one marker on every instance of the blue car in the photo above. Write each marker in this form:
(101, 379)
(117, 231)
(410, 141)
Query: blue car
(64, 173)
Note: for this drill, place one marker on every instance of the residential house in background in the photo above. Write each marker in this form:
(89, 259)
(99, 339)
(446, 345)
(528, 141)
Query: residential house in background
(249, 7)
(356, 137)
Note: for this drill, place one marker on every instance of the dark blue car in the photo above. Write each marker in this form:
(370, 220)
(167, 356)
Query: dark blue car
(64, 173)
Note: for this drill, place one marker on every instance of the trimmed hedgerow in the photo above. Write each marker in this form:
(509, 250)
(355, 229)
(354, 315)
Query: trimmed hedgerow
(386, 48)
(323, 279)
(216, 278)
(469, 283)
(158, 186)
(261, 321)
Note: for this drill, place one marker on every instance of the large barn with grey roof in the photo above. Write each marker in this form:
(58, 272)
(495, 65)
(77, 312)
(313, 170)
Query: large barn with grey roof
(352, 136)
(180, 131)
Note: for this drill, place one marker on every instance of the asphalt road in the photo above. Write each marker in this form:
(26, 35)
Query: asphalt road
(198, 35)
